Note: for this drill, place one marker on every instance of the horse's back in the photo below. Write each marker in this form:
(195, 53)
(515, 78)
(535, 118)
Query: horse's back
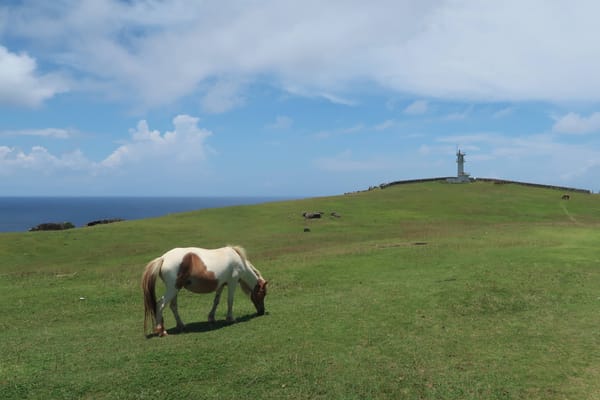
(219, 261)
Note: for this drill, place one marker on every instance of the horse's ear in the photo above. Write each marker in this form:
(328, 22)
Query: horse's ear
(266, 282)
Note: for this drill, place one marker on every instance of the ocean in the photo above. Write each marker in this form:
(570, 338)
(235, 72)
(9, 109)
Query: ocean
(19, 214)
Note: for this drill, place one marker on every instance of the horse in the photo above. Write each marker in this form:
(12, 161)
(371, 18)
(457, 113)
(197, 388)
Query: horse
(200, 271)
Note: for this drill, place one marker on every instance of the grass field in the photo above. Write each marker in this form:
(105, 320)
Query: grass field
(419, 291)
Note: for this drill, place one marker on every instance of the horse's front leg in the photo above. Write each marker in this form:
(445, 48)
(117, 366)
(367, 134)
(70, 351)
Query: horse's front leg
(230, 293)
(211, 314)
(173, 305)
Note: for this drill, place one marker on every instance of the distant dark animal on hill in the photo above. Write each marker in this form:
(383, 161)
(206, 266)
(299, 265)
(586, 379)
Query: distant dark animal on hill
(566, 197)
(312, 215)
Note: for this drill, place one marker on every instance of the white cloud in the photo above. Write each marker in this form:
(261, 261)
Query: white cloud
(424, 149)
(435, 48)
(387, 124)
(418, 107)
(346, 162)
(485, 137)
(44, 132)
(185, 144)
(22, 85)
(306, 91)
(282, 122)
(460, 115)
(503, 112)
(576, 124)
(221, 97)
(163, 51)
(40, 160)
(336, 99)
(326, 134)
(171, 162)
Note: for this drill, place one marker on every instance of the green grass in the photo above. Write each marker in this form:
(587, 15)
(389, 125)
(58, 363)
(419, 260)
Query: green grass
(500, 300)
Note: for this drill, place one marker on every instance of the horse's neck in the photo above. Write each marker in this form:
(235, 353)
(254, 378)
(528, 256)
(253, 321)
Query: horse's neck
(248, 275)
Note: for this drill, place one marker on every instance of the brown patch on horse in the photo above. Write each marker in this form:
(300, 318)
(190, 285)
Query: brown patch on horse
(194, 276)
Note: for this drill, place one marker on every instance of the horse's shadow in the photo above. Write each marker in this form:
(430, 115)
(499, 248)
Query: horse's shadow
(205, 326)
(200, 327)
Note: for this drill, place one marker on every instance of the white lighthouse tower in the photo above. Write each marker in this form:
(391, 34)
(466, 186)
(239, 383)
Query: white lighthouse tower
(460, 160)
(461, 175)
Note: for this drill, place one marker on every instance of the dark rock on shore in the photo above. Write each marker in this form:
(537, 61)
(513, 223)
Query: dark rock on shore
(104, 221)
(52, 226)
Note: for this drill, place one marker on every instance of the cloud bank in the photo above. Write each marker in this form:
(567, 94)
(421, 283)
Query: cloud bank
(573, 123)
(160, 158)
(163, 51)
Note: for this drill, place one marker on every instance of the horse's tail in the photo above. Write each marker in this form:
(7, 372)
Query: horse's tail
(148, 285)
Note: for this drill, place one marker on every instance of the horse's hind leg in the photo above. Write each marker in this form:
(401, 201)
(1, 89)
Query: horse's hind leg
(160, 306)
(180, 324)
(159, 329)
(211, 314)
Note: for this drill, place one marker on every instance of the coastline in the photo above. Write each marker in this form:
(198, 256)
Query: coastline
(20, 213)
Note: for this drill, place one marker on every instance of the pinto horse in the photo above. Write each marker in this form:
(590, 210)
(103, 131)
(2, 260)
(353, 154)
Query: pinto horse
(200, 271)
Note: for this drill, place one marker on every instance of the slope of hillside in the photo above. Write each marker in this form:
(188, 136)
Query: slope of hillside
(427, 290)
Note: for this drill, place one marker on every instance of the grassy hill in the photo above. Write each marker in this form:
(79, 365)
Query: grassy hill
(427, 290)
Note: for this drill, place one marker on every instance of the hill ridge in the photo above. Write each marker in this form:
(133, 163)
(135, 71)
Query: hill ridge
(494, 180)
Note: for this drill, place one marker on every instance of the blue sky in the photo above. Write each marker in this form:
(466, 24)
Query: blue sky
(294, 98)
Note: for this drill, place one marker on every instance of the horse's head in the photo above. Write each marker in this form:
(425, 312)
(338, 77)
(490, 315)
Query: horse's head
(258, 296)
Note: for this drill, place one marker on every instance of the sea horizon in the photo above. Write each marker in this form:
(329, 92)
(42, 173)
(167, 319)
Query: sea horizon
(21, 213)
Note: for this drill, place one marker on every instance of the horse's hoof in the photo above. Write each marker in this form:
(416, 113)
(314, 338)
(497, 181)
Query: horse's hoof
(163, 333)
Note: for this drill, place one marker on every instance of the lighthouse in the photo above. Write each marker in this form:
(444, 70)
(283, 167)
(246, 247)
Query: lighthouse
(461, 175)
(460, 160)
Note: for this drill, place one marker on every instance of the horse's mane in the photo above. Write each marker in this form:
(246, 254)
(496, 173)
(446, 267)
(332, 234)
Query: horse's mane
(242, 253)
(257, 272)
(240, 250)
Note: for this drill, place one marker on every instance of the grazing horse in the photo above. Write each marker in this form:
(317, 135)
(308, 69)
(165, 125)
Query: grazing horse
(200, 271)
